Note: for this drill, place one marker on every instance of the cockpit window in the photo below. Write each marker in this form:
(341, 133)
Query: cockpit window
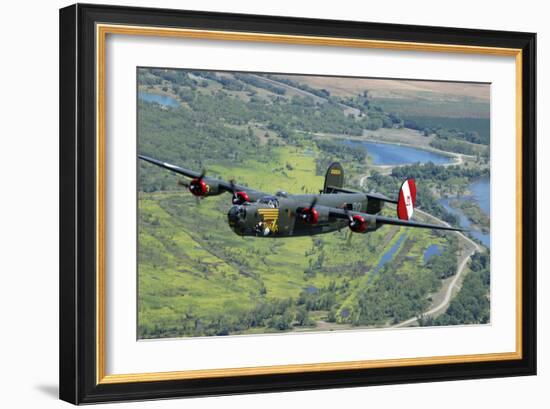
(271, 201)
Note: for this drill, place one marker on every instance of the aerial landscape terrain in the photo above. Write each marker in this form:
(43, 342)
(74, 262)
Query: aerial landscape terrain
(279, 133)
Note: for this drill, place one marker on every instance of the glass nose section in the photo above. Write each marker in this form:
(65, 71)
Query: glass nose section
(236, 214)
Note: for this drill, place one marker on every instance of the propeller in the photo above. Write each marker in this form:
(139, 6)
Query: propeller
(187, 184)
(313, 202)
(196, 186)
(309, 214)
(233, 189)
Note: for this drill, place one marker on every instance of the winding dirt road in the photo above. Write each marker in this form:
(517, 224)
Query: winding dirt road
(461, 268)
(474, 247)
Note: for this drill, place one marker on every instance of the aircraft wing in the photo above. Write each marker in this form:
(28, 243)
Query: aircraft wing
(409, 223)
(173, 168)
(221, 184)
(338, 213)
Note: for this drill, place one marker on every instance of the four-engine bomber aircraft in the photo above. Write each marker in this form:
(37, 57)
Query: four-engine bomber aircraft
(255, 213)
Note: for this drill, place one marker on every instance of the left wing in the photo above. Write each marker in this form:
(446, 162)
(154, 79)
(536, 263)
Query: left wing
(213, 186)
(338, 213)
(173, 168)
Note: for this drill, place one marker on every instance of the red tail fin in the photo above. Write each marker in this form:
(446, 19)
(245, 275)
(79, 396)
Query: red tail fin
(406, 200)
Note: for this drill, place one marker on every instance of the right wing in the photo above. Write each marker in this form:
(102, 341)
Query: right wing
(381, 220)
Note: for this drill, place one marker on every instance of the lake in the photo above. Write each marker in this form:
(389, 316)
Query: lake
(393, 154)
(387, 256)
(432, 250)
(159, 99)
(481, 193)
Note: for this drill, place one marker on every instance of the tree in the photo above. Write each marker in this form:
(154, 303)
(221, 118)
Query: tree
(302, 317)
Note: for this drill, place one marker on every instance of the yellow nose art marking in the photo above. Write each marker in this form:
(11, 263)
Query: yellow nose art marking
(270, 218)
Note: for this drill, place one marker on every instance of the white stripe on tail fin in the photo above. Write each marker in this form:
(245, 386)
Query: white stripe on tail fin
(406, 200)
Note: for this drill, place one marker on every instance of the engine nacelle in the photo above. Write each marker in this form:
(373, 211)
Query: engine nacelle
(358, 224)
(240, 198)
(203, 187)
(361, 224)
(309, 215)
(315, 215)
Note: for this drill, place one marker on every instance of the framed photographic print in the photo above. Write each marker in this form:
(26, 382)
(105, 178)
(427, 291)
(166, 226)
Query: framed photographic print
(258, 203)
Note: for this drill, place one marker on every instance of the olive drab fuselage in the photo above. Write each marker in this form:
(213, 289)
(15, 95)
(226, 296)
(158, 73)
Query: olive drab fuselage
(279, 215)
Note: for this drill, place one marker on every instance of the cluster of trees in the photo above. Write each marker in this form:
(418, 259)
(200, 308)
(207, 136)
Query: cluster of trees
(360, 101)
(468, 136)
(177, 135)
(448, 180)
(173, 77)
(474, 130)
(430, 171)
(473, 211)
(319, 299)
(146, 78)
(393, 297)
(258, 83)
(376, 119)
(458, 146)
(454, 139)
(352, 155)
(230, 84)
(320, 92)
(346, 152)
(374, 116)
(444, 265)
(472, 303)
(274, 314)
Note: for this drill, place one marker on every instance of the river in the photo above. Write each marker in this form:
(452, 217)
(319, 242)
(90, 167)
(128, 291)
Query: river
(481, 194)
(393, 154)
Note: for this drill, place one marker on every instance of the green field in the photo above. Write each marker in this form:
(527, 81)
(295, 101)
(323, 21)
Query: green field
(196, 277)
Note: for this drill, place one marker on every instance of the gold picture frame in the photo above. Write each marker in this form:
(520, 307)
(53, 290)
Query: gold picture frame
(98, 21)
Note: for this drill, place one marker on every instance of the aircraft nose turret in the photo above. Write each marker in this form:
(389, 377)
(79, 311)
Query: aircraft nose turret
(233, 215)
(236, 217)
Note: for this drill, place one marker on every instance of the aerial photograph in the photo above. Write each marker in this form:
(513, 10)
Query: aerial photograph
(276, 203)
